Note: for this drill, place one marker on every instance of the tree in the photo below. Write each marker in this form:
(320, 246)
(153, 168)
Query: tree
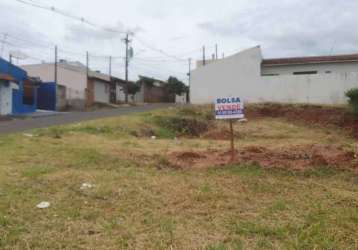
(149, 82)
(133, 88)
(176, 87)
(353, 100)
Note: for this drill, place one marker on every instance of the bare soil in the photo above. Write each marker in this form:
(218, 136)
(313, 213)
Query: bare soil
(308, 114)
(4, 118)
(294, 157)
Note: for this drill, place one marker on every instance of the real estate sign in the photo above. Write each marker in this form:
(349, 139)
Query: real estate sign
(229, 108)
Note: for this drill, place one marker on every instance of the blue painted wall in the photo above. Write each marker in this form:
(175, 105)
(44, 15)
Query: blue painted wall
(46, 96)
(20, 75)
(18, 106)
(7, 68)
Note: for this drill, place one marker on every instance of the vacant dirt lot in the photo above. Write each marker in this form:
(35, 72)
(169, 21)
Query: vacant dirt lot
(162, 180)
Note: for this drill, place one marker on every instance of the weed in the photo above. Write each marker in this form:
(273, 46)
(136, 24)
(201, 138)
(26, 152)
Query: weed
(183, 126)
(278, 206)
(253, 229)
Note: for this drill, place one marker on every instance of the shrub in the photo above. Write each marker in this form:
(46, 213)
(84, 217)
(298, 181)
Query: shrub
(183, 125)
(353, 99)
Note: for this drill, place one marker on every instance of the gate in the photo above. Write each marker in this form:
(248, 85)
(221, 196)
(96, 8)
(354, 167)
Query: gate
(46, 96)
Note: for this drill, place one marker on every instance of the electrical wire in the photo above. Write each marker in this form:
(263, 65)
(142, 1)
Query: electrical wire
(85, 21)
(68, 15)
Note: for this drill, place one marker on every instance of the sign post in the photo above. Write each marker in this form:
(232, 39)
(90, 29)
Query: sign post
(230, 108)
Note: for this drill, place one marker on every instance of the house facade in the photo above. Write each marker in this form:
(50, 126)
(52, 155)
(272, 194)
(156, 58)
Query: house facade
(317, 80)
(79, 87)
(18, 93)
(98, 88)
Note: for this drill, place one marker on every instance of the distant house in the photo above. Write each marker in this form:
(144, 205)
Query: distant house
(18, 92)
(78, 88)
(98, 88)
(121, 90)
(153, 91)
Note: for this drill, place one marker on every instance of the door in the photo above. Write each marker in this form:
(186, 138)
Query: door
(112, 93)
(5, 99)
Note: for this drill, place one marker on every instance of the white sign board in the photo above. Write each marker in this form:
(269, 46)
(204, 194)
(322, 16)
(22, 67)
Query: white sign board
(229, 108)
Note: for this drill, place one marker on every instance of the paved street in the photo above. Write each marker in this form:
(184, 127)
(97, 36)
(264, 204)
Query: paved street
(20, 125)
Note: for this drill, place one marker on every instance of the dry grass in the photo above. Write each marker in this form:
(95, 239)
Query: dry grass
(136, 206)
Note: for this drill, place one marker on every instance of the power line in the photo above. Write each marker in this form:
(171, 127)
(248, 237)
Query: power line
(85, 21)
(68, 15)
(52, 46)
(158, 50)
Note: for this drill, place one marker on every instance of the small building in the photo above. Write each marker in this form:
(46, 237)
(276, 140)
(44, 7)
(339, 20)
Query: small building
(18, 92)
(120, 85)
(315, 80)
(98, 88)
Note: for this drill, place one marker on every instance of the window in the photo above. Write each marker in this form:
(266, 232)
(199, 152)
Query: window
(305, 73)
(273, 74)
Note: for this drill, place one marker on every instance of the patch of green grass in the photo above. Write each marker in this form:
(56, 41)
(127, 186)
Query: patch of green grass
(322, 172)
(10, 231)
(245, 170)
(235, 245)
(219, 246)
(278, 206)
(206, 188)
(37, 171)
(165, 133)
(250, 228)
(90, 157)
(314, 233)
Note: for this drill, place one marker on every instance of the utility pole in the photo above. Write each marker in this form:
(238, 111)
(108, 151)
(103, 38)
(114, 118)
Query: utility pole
(216, 51)
(56, 59)
(10, 57)
(204, 62)
(110, 66)
(127, 41)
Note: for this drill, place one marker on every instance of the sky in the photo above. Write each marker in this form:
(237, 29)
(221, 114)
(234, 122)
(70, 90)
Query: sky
(166, 33)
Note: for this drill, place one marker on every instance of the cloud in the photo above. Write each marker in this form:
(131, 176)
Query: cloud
(293, 28)
(80, 32)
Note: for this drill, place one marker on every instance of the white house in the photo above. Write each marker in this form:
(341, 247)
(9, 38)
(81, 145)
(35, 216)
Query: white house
(320, 80)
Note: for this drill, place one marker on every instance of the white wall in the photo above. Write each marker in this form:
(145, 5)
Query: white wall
(180, 99)
(101, 92)
(240, 75)
(75, 81)
(6, 97)
(233, 75)
(121, 96)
